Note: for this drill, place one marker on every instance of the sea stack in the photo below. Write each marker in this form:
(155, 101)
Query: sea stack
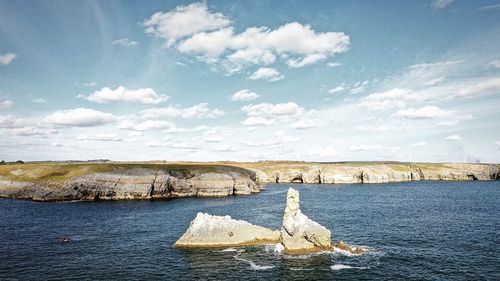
(208, 231)
(299, 234)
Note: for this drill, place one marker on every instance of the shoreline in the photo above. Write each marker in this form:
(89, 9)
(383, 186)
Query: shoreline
(62, 182)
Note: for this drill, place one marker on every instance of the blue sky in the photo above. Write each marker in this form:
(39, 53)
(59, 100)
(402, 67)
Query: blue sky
(250, 80)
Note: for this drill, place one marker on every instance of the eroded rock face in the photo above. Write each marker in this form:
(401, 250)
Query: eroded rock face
(222, 231)
(135, 184)
(299, 234)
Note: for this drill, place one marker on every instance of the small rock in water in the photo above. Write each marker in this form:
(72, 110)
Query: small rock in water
(63, 239)
(344, 247)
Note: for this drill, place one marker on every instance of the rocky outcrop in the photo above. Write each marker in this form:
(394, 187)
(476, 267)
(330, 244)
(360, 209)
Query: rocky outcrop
(299, 234)
(223, 231)
(132, 183)
(375, 172)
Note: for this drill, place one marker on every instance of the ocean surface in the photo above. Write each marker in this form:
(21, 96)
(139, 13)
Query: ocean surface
(414, 231)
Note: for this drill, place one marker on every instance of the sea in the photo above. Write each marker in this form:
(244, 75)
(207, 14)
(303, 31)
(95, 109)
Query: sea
(422, 230)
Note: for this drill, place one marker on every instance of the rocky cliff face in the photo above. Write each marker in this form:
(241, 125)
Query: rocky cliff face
(297, 172)
(115, 181)
(132, 183)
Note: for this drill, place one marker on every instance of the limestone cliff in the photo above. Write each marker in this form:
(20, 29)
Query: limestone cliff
(120, 181)
(374, 172)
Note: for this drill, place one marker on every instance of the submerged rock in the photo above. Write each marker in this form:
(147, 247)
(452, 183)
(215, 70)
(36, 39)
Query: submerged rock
(222, 231)
(299, 234)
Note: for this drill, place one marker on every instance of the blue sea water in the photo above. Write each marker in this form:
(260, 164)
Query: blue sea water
(415, 231)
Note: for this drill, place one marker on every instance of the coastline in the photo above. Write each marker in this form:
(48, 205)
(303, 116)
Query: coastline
(84, 181)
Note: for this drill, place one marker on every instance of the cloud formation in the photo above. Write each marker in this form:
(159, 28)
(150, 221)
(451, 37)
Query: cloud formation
(7, 58)
(266, 73)
(244, 95)
(79, 117)
(122, 94)
(193, 29)
(125, 42)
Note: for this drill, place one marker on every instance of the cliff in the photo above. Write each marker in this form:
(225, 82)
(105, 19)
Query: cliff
(368, 172)
(67, 182)
(154, 180)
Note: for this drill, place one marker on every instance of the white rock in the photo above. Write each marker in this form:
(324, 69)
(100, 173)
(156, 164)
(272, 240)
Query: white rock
(299, 234)
(220, 231)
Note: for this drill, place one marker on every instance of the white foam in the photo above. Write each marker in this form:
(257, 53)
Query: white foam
(253, 265)
(276, 248)
(339, 266)
(229, 250)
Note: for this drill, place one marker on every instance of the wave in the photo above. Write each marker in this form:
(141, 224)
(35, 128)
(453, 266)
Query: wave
(253, 265)
(339, 266)
(229, 250)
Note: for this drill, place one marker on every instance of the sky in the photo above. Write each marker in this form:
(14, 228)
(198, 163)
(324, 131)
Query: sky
(250, 80)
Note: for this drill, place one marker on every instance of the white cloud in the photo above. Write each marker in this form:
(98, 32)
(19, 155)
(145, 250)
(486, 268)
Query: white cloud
(184, 21)
(100, 137)
(251, 56)
(497, 143)
(244, 95)
(307, 60)
(303, 124)
(125, 42)
(418, 144)
(150, 125)
(90, 84)
(215, 134)
(224, 148)
(483, 87)
(426, 112)
(193, 29)
(25, 126)
(209, 45)
(394, 98)
(334, 64)
(453, 138)
(337, 89)
(268, 109)
(80, 117)
(154, 144)
(438, 116)
(7, 58)
(39, 100)
(365, 147)
(122, 94)
(359, 87)
(440, 4)
(5, 104)
(197, 111)
(266, 73)
(490, 7)
(253, 121)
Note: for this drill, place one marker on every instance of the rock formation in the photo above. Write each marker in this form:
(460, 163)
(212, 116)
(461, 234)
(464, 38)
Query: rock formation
(299, 234)
(223, 231)
(368, 172)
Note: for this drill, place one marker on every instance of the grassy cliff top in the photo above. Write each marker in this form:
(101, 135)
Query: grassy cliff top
(62, 171)
(59, 171)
